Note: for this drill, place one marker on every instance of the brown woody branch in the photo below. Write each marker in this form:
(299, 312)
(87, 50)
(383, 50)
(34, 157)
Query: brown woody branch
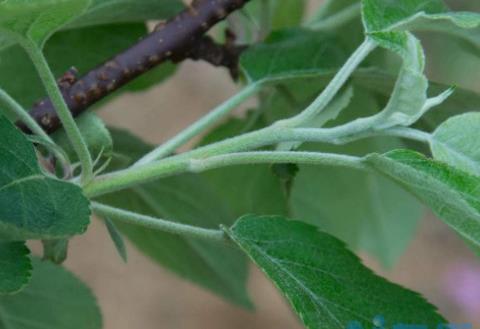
(177, 39)
(208, 50)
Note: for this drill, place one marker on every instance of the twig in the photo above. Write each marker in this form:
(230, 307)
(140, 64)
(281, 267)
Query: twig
(171, 40)
(208, 50)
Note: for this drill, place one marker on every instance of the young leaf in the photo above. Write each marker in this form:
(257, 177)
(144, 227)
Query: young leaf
(452, 194)
(455, 142)
(32, 205)
(380, 83)
(326, 284)
(117, 239)
(36, 21)
(172, 199)
(291, 53)
(365, 210)
(54, 299)
(406, 105)
(15, 266)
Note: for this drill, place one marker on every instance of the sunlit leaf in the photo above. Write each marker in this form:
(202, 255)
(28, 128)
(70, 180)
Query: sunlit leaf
(453, 195)
(456, 143)
(326, 284)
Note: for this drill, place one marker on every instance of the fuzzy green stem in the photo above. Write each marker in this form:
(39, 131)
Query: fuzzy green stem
(181, 163)
(333, 87)
(409, 133)
(69, 124)
(271, 157)
(201, 125)
(158, 224)
(21, 114)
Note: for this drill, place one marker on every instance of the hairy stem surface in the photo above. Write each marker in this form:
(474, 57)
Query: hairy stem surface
(69, 124)
(158, 224)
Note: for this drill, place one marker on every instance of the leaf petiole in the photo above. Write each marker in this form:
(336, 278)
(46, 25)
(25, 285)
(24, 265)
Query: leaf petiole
(23, 115)
(201, 125)
(319, 104)
(158, 224)
(69, 124)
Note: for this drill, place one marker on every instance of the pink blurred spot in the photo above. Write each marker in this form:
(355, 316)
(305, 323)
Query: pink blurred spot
(463, 287)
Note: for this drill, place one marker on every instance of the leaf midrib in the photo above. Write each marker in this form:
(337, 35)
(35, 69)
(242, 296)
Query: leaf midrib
(21, 181)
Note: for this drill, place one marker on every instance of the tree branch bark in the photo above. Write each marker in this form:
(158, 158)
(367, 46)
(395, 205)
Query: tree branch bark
(179, 38)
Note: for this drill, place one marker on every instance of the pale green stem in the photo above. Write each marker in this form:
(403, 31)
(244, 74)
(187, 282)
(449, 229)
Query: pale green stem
(183, 163)
(146, 173)
(158, 224)
(339, 19)
(270, 157)
(68, 122)
(273, 135)
(21, 114)
(409, 133)
(402, 132)
(333, 87)
(201, 125)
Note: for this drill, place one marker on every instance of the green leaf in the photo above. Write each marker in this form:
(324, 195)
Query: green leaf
(463, 26)
(54, 299)
(15, 267)
(96, 136)
(408, 100)
(453, 195)
(258, 19)
(380, 83)
(36, 21)
(32, 205)
(117, 239)
(338, 18)
(245, 189)
(325, 283)
(385, 15)
(186, 199)
(74, 48)
(365, 210)
(423, 15)
(127, 11)
(291, 53)
(287, 13)
(455, 142)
